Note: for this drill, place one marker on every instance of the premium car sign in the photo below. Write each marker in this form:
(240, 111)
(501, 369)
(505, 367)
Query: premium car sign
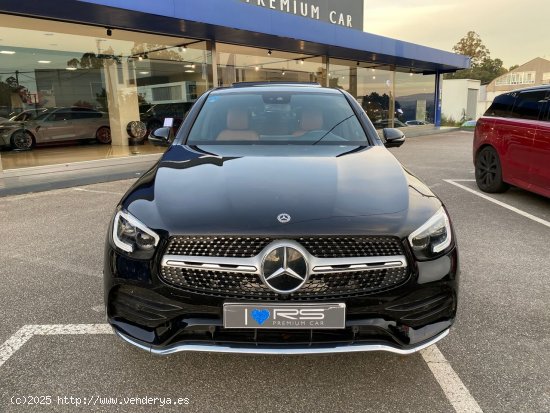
(346, 13)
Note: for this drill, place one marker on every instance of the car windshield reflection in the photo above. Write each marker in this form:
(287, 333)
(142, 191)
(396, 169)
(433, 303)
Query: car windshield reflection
(277, 117)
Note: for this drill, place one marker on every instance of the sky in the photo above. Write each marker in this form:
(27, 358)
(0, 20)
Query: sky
(514, 31)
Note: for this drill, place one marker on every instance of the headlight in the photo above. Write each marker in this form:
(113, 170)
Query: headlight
(433, 237)
(132, 236)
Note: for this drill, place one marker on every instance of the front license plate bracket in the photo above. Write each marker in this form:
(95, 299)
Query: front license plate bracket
(285, 316)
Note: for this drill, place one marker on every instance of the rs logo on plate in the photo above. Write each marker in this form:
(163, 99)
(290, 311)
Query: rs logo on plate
(299, 314)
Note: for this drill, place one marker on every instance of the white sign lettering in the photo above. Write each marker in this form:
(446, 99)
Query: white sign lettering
(346, 13)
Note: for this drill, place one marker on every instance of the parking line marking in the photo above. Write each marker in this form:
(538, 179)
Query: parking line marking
(98, 192)
(25, 333)
(456, 392)
(14, 343)
(502, 204)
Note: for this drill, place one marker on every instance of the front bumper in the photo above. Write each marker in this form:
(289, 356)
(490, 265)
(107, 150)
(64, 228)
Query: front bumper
(163, 319)
(5, 138)
(288, 350)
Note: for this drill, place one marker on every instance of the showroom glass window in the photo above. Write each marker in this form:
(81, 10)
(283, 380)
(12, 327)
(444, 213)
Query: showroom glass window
(249, 64)
(48, 64)
(371, 84)
(414, 97)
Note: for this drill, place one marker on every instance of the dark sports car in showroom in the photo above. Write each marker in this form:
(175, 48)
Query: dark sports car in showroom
(277, 222)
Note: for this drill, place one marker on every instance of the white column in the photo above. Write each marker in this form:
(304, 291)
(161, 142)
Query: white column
(122, 98)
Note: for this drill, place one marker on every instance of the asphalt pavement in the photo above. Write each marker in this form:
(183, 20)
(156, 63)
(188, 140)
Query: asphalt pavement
(51, 261)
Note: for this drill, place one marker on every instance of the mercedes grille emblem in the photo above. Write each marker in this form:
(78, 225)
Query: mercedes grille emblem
(284, 218)
(284, 269)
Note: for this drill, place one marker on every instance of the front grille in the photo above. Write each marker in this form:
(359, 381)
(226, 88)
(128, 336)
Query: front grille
(341, 247)
(322, 247)
(250, 287)
(217, 246)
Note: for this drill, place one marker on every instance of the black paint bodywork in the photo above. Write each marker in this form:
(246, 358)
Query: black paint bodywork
(240, 190)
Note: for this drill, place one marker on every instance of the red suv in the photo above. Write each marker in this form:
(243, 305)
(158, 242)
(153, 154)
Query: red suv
(512, 142)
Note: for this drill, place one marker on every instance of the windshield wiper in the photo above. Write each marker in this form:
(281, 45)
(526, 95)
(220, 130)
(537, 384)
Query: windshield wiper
(334, 127)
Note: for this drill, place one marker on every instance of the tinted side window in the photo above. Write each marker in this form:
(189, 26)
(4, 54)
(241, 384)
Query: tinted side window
(502, 106)
(86, 114)
(529, 105)
(59, 116)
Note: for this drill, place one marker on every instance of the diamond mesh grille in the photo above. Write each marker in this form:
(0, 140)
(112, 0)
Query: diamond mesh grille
(322, 247)
(250, 287)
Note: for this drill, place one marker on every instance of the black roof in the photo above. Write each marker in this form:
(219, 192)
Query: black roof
(275, 83)
(531, 88)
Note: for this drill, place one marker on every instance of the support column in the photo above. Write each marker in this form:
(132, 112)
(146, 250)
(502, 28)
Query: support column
(326, 61)
(437, 100)
(392, 99)
(353, 81)
(122, 98)
(213, 75)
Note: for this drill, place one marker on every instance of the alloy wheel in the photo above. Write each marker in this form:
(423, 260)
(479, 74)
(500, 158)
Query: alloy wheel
(489, 171)
(103, 135)
(22, 140)
(487, 168)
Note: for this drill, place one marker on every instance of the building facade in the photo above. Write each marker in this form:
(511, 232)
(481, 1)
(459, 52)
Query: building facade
(459, 99)
(536, 72)
(127, 60)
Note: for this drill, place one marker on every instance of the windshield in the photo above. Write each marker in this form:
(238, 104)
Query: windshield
(26, 115)
(274, 117)
(19, 117)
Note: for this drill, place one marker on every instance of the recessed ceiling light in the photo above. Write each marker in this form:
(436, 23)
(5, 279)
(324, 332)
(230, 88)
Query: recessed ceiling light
(189, 71)
(45, 62)
(143, 73)
(70, 68)
(190, 66)
(7, 52)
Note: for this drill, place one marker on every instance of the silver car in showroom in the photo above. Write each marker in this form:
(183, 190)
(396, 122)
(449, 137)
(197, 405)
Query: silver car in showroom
(57, 125)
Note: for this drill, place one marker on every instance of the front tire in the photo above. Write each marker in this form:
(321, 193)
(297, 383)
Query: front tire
(22, 140)
(489, 171)
(103, 135)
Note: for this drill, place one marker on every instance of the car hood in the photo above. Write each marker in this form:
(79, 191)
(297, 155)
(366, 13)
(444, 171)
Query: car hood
(229, 190)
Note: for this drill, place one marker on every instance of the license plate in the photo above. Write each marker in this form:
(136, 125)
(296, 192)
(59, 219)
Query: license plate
(284, 316)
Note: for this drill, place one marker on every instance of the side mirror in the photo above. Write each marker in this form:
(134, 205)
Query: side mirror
(161, 137)
(393, 138)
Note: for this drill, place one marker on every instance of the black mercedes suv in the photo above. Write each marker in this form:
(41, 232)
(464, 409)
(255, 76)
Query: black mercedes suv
(277, 222)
